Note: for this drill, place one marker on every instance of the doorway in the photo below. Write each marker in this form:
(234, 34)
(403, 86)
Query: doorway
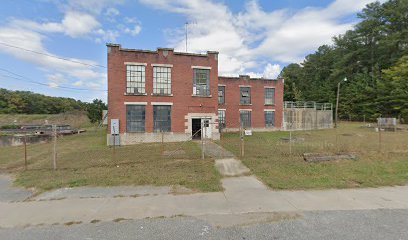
(196, 128)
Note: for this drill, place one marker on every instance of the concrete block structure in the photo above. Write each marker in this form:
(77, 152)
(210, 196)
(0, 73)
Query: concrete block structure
(169, 96)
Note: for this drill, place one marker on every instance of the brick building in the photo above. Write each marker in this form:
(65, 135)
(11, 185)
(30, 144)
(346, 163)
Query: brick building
(165, 95)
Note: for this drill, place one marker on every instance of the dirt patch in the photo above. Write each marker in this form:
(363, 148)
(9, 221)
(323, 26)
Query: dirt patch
(322, 157)
(72, 223)
(174, 153)
(120, 219)
(178, 190)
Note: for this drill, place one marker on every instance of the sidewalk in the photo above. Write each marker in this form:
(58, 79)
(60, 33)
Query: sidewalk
(242, 195)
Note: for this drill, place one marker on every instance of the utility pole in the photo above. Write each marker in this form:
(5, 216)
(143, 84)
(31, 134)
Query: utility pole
(337, 102)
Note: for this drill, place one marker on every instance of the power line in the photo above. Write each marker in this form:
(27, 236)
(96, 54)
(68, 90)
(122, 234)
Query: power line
(25, 79)
(53, 56)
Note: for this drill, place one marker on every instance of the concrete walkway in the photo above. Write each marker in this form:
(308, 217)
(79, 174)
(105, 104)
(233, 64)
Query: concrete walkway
(225, 162)
(9, 193)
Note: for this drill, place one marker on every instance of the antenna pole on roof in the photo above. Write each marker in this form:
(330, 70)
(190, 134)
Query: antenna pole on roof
(186, 28)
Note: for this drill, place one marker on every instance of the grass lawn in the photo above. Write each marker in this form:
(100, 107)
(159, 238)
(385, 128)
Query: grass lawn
(86, 160)
(268, 157)
(76, 119)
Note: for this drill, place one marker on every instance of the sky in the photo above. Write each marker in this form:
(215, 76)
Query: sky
(58, 48)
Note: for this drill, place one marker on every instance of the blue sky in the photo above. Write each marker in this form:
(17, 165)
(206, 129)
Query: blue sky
(253, 37)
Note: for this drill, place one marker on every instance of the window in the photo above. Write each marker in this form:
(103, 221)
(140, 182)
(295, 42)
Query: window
(162, 80)
(221, 94)
(201, 86)
(269, 119)
(135, 79)
(245, 118)
(162, 118)
(221, 119)
(245, 95)
(269, 96)
(135, 118)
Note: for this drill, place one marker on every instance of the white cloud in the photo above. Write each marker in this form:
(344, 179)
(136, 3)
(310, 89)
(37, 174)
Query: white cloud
(78, 83)
(57, 70)
(272, 71)
(77, 24)
(242, 39)
(94, 7)
(56, 79)
(133, 31)
(74, 24)
(112, 12)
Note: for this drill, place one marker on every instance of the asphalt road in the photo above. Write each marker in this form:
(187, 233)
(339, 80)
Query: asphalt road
(361, 224)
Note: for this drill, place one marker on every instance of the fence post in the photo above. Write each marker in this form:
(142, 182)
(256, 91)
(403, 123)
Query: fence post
(25, 151)
(54, 156)
(114, 146)
(290, 141)
(379, 136)
(242, 142)
(202, 140)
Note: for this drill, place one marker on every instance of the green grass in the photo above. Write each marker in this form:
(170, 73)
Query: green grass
(76, 119)
(269, 158)
(85, 160)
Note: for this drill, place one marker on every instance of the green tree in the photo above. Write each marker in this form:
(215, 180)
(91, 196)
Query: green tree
(94, 110)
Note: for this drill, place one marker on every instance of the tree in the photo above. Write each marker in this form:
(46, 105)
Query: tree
(94, 110)
(372, 56)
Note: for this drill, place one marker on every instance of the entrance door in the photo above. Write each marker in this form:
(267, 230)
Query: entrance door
(196, 127)
(206, 127)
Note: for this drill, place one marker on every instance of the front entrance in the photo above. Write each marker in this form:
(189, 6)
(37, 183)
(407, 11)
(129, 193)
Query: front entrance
(197, 124)
(196, 128)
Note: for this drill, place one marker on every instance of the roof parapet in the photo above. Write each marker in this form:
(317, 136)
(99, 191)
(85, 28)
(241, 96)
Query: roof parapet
(119, 46)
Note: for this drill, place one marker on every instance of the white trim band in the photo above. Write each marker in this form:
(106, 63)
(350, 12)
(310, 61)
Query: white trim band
(222, 85)
(269, 87)
(269, 110)
(222, 109)
(135, 103)
(135, 63)
(241, 110)
(162, 103)
(161, 65)
(245, 86)
(201, 67)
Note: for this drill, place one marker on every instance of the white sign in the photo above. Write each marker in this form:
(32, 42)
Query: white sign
(248, 132)
(114, 126)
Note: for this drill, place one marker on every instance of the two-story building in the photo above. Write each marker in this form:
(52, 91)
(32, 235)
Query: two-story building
(170, 96)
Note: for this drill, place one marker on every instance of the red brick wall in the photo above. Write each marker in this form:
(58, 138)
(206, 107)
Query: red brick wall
(182, 84)
(232, 100)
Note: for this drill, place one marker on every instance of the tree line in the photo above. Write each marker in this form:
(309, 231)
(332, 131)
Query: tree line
(373, 56)
(25, 102)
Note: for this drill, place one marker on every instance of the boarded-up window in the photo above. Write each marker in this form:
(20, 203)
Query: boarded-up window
(162, 118)
(135, 118)
(269, 119)
(245, 118)
(269, 96)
